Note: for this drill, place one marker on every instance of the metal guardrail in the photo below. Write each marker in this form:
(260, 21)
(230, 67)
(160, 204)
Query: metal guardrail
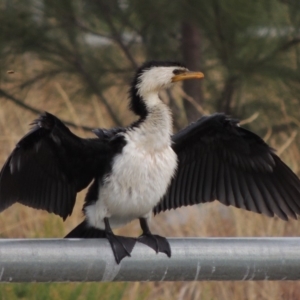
(58, 260)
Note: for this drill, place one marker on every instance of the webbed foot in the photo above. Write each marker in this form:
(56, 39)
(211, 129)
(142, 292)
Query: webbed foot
(156, 242)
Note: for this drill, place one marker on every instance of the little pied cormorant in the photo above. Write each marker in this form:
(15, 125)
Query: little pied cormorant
(143, 168)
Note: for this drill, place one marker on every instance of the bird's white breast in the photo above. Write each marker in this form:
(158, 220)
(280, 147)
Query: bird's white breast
(140, 174)
(137, 182)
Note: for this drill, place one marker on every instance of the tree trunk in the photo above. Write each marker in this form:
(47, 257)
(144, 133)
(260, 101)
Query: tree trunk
(224, 104)
(191, 50)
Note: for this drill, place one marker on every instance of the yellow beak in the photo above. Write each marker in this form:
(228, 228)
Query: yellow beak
(187, 75)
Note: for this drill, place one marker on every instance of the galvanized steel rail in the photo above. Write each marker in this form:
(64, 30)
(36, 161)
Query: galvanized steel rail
(58, 260)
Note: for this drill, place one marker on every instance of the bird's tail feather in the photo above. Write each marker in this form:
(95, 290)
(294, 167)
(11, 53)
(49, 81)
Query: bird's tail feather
(83, 230)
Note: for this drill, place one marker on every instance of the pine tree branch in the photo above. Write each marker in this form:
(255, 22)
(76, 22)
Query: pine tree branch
(34, 110)
(117, 37)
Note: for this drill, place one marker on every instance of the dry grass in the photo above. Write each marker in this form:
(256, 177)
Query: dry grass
(207, 220)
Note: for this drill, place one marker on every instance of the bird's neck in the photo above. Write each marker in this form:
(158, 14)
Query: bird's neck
(155, 130)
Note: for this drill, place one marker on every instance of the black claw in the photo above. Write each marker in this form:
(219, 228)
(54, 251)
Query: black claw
(156, 242)
(121, 246)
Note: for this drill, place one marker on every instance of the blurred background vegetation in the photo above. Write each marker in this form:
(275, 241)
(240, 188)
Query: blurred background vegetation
(75, 58)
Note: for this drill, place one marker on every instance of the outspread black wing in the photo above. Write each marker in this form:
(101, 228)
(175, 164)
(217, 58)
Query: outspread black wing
(218, 160)
(49, 166)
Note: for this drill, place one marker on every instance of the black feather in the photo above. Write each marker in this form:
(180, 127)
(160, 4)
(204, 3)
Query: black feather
(50, 165)
(234, 165)
(83, 230)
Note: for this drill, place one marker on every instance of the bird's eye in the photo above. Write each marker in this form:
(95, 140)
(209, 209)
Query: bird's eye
(178, 71)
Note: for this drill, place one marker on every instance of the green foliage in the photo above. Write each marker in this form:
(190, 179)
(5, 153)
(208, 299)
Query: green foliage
(67, 291)
(249, 49)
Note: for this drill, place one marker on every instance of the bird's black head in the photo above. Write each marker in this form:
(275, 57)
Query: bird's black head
(151, 76)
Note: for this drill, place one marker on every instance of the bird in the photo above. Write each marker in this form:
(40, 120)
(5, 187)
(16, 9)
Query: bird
(143, 169)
